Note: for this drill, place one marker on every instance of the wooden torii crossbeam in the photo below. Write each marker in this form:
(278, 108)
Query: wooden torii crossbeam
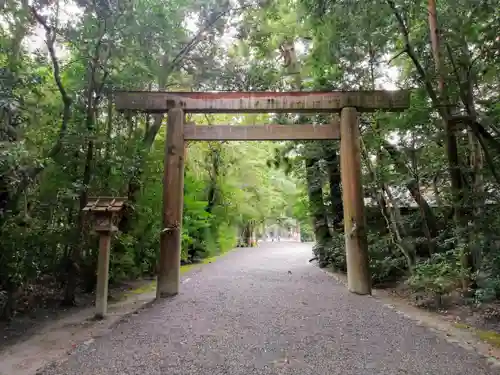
(270, 132)
(347, 103)
(262, 101)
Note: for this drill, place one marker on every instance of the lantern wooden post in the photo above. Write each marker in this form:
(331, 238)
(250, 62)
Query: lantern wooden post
(356, 244)
(105, 211)
(170, 240)
(101, 294)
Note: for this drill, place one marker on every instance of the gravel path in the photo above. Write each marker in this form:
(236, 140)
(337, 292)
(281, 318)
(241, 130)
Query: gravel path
(268, 311)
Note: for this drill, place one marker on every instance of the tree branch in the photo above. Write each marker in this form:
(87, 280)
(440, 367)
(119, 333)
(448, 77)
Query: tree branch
(471, 121)
(396, 56)
(198, 37)
(413, 56)
(50, 40)
(32, 172)
(487, 156)
(153, 130)
(50, 37)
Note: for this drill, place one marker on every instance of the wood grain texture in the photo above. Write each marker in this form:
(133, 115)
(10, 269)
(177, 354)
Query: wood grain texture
(101, 292)
(261, 132)
(356, 245)
(261, 102)
(170, 239)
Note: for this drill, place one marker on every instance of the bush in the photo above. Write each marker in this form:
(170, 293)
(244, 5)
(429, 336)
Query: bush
(384, 265)
(437, 275)
(387, 264)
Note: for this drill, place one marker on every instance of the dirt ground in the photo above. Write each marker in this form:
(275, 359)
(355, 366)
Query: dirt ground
(454, 308)
(44, 334)
(32, 319)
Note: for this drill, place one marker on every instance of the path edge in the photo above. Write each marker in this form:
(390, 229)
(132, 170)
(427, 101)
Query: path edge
(130, 303)
(433, 322)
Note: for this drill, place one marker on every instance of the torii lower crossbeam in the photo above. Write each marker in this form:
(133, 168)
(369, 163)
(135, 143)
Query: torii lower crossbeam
(270, 132)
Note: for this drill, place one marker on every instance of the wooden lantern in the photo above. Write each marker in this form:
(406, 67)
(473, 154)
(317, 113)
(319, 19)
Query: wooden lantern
(106, 212)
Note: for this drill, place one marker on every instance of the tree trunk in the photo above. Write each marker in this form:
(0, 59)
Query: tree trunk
(476, 156)
(134, 182)
(477, 193)
(107, 150)
(336, 206)
(318, 211)
(214, 157)
(451, 143)
(133, 185)
(77, 249)
(391, 214)
(75, 261)
(414, 189)
(247, 234)
(8, 201)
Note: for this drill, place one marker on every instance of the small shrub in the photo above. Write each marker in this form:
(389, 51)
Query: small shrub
(386, 263)
(436, 276)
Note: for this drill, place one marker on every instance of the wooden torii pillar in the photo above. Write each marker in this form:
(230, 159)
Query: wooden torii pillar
(347, 103)
(173, 202)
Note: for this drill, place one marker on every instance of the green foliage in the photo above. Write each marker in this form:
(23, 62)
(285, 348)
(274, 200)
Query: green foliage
(438, 275)
(422, 213)
(333, 253)
(61, 139)
(386, 263)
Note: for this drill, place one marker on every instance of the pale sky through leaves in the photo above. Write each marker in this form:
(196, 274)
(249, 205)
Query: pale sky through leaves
(69, 11)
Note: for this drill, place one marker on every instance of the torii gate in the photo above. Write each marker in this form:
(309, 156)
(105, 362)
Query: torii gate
(347, 103)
